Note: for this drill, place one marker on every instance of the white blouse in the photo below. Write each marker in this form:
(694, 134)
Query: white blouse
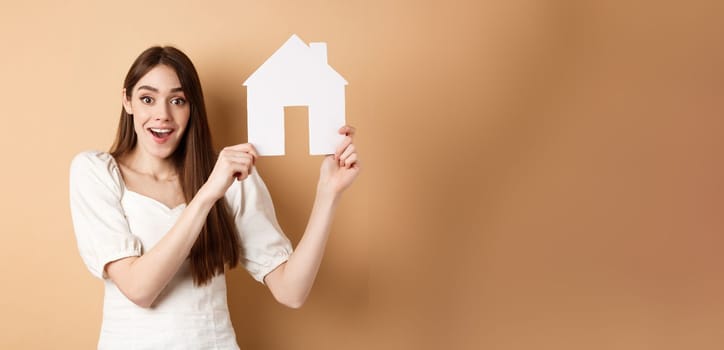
(112, 222)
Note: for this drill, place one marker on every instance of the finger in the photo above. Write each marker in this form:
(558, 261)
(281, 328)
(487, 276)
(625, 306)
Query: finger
(252, 151)
(247, 147)
(342, 146)
(232, 162)
(237, 155)
(347, 130)
(233, 154)
(240, 176)
(244, 147)
(240, 171)
(349, 150)
(350, 161)
(235, 163)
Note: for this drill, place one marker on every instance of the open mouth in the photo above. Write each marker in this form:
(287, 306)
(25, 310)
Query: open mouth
(160, 135)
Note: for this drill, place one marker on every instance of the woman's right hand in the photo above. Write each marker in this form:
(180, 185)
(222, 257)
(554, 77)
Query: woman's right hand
(234, 162)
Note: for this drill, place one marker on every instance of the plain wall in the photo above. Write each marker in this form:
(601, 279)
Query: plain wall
(536, 174)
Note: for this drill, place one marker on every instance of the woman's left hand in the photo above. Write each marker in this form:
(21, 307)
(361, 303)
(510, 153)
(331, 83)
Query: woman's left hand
(340, 169)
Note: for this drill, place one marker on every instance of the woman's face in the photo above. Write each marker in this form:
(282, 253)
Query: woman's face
(160, 111)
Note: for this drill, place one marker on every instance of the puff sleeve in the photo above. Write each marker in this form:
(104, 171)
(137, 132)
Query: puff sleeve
(100, 225)
(264, 245)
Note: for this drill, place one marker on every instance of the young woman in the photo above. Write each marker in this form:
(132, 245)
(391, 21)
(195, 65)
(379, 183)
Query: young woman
(161, 216)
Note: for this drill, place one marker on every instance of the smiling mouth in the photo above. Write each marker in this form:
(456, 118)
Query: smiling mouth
(160, 133)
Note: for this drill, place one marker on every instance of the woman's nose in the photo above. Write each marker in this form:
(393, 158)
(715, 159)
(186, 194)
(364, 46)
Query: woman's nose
(162, 112)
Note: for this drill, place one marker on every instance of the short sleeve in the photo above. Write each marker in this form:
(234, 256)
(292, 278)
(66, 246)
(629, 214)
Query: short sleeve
(264, 245)
(100, 225)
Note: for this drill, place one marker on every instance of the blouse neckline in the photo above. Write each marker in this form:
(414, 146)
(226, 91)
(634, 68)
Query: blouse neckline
(158, 203)
(143, 196)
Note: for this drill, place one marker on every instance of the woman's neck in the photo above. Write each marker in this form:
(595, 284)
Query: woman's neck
(158, 168)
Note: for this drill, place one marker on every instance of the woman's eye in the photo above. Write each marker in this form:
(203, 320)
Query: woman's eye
(178, 101)
(146, 99)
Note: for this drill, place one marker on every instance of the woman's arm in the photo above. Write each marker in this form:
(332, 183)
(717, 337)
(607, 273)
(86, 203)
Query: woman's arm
(291, 282)
(141, 279)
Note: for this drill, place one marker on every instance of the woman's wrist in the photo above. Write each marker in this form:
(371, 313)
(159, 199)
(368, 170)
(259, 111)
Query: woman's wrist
(205, 197)
(326, 195)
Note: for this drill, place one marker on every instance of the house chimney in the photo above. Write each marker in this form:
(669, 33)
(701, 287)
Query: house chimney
(319, 51)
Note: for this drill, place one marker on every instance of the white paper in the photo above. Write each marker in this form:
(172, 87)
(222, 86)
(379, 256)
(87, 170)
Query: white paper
(295, 75)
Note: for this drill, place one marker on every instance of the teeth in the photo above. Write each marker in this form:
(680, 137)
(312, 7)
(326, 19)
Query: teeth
(161, 131)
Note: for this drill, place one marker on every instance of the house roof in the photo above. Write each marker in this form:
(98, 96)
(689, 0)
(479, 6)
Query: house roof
(295, 60)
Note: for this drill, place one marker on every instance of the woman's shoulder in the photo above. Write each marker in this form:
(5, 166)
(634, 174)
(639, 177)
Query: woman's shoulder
(94, 162)
(92, 155)
(93, 159)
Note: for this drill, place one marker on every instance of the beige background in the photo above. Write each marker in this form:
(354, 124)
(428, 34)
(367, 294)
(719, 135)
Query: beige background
(537, 174)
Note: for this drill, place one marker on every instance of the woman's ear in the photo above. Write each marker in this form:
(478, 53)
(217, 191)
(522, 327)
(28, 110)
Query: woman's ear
(126, 102)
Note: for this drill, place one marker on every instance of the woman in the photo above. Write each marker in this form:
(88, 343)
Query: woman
(150, 222)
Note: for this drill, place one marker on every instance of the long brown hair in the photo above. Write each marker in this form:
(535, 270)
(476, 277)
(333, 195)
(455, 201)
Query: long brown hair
(218, 244)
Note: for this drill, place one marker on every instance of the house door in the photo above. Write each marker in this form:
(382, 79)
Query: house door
(296, 131)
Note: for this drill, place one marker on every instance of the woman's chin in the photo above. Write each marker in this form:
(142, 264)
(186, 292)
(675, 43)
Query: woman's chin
(162, 152)
(164, 155)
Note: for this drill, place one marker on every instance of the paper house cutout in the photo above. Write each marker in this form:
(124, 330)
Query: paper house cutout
(295, 75)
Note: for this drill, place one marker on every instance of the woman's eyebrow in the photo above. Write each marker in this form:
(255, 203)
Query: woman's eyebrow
(146, 87)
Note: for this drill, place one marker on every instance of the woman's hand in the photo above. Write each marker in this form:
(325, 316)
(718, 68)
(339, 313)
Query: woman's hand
(339, 170)
(234, 162)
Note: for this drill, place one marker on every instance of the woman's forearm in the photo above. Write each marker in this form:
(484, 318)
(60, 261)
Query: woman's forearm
(143, 278)
(292, 281)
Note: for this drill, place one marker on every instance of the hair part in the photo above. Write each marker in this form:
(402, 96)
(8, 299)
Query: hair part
(218, 245)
